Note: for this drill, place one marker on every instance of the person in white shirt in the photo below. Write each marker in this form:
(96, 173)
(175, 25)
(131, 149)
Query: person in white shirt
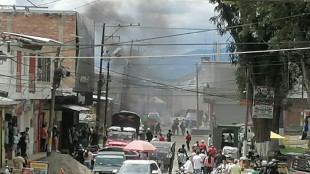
(155, 138)
(210, 141)
(188, 166)
(197, 162)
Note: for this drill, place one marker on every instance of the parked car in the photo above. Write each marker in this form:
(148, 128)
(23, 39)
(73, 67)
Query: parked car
(139, 166)
(107, 162)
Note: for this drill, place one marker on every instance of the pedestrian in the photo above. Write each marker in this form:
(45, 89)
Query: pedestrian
(15, 144)
(182, 126)
(212, 150)
(202, 145)
(209, 164)
(188, 140)
(182, 155)
(202, 156)
(197, 163)
(169, 134)
(18, 163)
(188, 166)
(149, 135)
(210, 142)
(219, 158)
(155, 138)
(230, 139)
(43, 138)
(157, 129)
(88, 156)
(24, 141)
(55, 138)
(235, 168)
(75, 135)
(161, 138)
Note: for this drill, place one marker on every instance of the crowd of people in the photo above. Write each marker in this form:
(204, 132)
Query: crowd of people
(203, 158)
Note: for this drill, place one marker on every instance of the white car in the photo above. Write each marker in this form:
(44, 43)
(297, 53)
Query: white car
(139, 166)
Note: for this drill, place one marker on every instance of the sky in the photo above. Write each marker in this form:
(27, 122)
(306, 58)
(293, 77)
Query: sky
(156, 18)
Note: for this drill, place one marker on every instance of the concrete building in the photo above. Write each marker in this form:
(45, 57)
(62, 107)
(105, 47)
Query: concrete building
(217, 93)
(26, 76)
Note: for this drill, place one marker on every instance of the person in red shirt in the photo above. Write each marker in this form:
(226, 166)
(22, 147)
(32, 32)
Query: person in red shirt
(188, 140)
(161, 138)
(212, 150)
(43, 138)
(202, 145)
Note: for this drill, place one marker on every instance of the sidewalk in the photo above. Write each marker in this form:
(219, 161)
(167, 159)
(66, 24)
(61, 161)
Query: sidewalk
(34, 157)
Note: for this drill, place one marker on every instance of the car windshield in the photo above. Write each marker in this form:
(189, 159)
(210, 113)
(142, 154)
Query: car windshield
(123, 136)
(109, 160)
(191, 116)
(134, 169)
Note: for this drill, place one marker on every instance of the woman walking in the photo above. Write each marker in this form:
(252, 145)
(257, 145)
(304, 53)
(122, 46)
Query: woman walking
(209, 164)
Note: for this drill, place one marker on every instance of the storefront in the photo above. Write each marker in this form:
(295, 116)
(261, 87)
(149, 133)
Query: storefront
(6, 119)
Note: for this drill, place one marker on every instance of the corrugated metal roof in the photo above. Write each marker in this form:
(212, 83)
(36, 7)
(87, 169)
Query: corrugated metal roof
(8, 102)
(41, 40)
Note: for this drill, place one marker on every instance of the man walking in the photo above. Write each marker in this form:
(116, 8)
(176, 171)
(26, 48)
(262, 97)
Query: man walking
(202, 145)
(43, 138)
(210, 141)
(23, 141)
(197, 162)
(182, 126)
(182, 155)
(188, 139)
(169, 134)
(188, 166)
(149, 135)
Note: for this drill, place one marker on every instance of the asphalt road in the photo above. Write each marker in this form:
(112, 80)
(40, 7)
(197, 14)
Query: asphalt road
(180, 139)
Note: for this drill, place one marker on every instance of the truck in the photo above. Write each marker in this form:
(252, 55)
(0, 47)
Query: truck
(124, 129)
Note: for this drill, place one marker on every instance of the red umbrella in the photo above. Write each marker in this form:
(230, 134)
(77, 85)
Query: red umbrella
(140, 146)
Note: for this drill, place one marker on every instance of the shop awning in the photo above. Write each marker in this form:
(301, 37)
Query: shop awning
(75, 107)
(275, 136)
(8, 102)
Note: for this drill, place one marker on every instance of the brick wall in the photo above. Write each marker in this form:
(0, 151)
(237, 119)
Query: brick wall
(60, 26)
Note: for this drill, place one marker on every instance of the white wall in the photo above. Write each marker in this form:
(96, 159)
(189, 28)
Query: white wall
(8, 76)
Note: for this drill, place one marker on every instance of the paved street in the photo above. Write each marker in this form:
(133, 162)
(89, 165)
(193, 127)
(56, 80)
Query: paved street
(179, 139)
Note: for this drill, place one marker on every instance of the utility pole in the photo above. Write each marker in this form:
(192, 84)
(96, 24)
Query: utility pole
(245, 139)
(197, 95)
(106, 102)
(100, 84)
(56, 82)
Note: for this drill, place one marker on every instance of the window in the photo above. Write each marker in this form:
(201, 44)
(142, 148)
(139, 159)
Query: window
(154, 167)
(44, 70)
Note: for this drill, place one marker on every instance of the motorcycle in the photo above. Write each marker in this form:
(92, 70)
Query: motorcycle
(180, 171)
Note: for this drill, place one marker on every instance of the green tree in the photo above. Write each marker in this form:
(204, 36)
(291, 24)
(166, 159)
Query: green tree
(258, 26)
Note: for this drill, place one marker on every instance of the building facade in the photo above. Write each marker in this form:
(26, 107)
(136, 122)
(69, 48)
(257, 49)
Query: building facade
(29, 44)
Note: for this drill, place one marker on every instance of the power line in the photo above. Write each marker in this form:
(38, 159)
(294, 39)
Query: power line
(188, 55)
